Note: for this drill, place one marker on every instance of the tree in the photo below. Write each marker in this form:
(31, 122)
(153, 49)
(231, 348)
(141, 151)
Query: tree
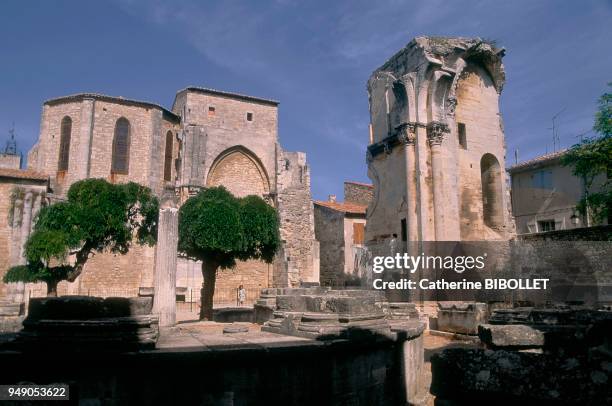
(217, 228)
(593, 157)
(96, 216)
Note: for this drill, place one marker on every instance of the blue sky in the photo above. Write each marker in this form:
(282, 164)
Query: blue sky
(313, 56)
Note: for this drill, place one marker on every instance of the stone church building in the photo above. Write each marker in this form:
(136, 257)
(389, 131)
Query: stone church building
(437, 152)
(208, 138)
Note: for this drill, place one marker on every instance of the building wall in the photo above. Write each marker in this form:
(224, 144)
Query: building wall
(10, 161)
(547, 192)
(352, 250)
(329, 231)
(477, 108)
(358, 193)
(388, 204)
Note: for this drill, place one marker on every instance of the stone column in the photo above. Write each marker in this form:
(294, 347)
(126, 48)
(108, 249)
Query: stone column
(85, 136)
(164, 299)
(435, 136)
(407, 136)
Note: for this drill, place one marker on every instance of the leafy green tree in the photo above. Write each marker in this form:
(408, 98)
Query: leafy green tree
(96, 216)
(217, 228)
(593, 157)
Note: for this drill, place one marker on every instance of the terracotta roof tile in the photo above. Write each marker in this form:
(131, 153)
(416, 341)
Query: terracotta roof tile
(351, 208)
(22, 174)
(537, 160)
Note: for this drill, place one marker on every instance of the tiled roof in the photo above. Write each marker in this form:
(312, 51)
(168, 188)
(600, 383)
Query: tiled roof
(359, 183)
(350, 208)
(112, 99)
(215, 92)
(537, 161)
(22, 174)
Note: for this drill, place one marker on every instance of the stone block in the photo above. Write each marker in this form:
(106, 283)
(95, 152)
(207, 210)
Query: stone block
(234, 314)
(514, 335)
(476, 376)
(459, 317)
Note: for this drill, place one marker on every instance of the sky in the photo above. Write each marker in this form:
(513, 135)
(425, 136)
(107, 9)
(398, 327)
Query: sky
(315, 57)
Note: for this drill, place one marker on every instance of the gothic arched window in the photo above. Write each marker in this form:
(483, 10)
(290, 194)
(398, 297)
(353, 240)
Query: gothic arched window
(64, 151)
(121, 147)
(168, 157)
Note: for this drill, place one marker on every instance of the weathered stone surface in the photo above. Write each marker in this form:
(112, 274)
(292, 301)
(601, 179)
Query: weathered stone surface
(87, 307)
(482, 376)
(88, 323)
(511, 335)
(233, 314)
(461, 317)
(236, 328)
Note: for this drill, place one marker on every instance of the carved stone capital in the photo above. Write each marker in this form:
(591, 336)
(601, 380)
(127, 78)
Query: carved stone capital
(436, 131)
(406, 133)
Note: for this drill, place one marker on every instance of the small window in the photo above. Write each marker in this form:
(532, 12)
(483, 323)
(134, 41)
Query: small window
(249, 116)
(64, 153)
(211, 111)
(546, 225)
(461, 133)
(542, 180)
(404, 230)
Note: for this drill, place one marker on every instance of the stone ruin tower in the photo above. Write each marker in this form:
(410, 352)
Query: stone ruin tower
(437, 152)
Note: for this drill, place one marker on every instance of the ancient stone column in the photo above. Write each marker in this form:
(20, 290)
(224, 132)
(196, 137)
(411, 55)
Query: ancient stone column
(435, 136)
(408, 138)
(164, 299)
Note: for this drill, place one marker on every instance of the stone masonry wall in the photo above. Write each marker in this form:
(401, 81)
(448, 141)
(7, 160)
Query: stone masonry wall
(296, 217)
(358, 193)
(329, 231)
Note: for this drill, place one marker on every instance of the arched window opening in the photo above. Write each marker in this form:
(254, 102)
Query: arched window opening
(490, 175)
(168, 157)
(64, 151)
(121, 147)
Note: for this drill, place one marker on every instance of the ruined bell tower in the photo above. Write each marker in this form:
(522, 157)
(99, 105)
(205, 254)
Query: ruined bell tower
(437, 151)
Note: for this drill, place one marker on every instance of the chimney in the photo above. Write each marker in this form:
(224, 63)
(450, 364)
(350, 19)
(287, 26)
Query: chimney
(332, 198)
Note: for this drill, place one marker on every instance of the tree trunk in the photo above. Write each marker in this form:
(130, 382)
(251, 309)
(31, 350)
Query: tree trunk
(209, 274)
(52, 288)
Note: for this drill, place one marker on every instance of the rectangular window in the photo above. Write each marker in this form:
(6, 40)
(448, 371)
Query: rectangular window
(404, 230)
(211, 111)
(461, 133)
(249, 116)
(546, 225)
(542, 180)
(358, 233)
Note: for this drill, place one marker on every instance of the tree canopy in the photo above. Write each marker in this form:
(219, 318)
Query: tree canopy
(217, 228)
(593, 157)
(96, 216)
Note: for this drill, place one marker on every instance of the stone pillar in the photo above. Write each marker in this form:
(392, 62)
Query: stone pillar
(408, 138)
(164, 299)
(435, 136)
(85, 136)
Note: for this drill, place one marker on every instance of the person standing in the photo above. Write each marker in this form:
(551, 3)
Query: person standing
(241, 295)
